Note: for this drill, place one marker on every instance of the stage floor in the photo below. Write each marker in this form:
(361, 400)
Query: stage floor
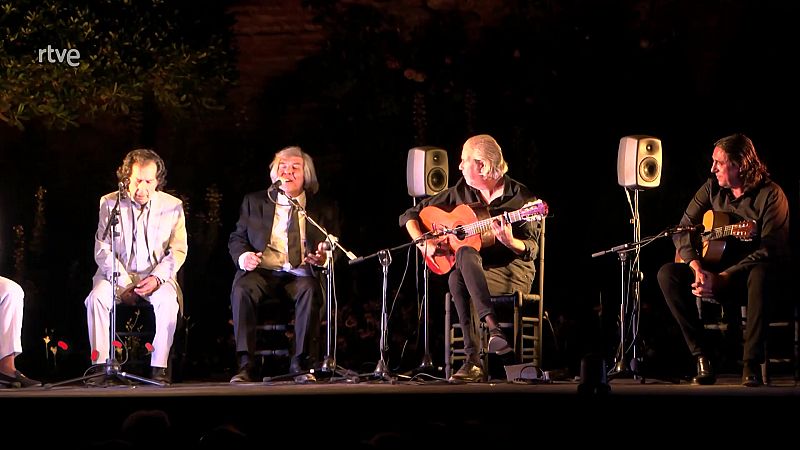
(405, 411)
(726, 385)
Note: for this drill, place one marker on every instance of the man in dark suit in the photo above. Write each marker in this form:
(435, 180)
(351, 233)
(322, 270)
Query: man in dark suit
(267, 248)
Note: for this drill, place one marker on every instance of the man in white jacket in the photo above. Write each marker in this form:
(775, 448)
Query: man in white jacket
(150, 248)
(11, 304)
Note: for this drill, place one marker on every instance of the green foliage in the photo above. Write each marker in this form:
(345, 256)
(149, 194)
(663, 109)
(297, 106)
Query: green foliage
(176, 54)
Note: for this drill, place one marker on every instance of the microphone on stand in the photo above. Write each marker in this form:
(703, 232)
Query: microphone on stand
(458, 232)
(113, 219)
(276, 187)
(277, 184)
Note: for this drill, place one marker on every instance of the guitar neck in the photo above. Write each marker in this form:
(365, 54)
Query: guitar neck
(719, 232)
(485, 225)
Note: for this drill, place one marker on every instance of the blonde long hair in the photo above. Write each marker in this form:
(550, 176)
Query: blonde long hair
(485, 148)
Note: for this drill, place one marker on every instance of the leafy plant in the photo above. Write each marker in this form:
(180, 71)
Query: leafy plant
(133, 346)
(174, 55)
(52, 346)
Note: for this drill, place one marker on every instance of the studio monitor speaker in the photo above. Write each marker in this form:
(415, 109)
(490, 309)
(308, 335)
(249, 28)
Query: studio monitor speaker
(639, 162)
(426, 171)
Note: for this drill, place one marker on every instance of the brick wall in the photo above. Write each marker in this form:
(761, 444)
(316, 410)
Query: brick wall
(271, 36)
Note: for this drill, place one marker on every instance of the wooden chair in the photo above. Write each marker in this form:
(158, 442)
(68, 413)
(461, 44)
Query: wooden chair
(526, 320)
(782, 345)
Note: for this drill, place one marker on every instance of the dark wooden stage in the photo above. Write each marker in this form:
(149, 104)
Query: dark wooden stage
(428, 413)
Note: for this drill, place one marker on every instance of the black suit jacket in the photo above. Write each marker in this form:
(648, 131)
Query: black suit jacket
(254, 227)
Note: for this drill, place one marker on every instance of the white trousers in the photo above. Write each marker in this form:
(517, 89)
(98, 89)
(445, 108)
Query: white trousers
(98, 310)
(11, 304)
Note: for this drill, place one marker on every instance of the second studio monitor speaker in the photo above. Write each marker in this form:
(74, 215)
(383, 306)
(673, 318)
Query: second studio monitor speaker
(426, 171)
(639, 162)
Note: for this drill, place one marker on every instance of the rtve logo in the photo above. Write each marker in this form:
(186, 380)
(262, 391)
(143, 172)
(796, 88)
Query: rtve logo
(70, 56)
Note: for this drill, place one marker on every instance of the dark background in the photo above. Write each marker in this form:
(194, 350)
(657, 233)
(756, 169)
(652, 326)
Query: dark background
(556, 83)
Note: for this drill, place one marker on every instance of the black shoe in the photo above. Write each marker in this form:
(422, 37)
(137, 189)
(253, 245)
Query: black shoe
(160, 374)
(705, 373)
(245, 375)
(18, 380)
(469, 372)
(751, 375)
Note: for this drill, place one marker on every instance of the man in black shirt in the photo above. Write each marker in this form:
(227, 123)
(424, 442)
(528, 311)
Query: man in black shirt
(506, 266)
(742, 189)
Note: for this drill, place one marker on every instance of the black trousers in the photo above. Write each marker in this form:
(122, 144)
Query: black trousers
(253, 287)
(470, 281)
(756, 287)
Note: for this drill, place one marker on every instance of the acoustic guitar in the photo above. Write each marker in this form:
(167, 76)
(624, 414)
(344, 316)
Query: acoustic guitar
(714, 242)
(468, 225)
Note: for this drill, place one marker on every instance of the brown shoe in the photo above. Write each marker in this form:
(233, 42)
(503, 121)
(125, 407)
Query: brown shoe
(498, 344)
(469, 372)
(245, 375)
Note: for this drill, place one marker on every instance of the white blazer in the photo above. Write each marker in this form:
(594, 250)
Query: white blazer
(166, 236)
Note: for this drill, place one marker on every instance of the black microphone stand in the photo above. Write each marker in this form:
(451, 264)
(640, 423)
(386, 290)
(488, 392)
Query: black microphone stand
(328, 367)
(630, 278)
(426, 365)
(381, 371)
(112, 368)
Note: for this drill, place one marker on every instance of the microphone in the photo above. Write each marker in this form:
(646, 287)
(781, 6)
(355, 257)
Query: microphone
(458, 232)
(277, 184)
(688, 228)
(113, 219)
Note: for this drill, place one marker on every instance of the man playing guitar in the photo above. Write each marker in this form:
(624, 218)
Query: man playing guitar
(477, 273)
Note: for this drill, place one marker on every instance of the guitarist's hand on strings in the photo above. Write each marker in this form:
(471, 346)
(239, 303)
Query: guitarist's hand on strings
(431, 247)
(503, 233)
(428, 247)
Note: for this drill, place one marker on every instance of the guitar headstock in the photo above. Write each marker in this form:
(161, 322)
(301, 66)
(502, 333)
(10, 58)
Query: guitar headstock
(534, 210)
(744, 230)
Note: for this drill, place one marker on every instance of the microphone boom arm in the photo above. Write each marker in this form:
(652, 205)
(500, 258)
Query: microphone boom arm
(333, 240)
